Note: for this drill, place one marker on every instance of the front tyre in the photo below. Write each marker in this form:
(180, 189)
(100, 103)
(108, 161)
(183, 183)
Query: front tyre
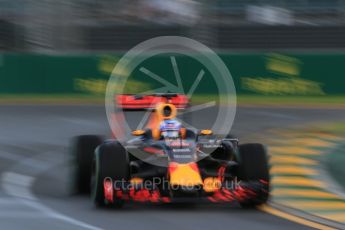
(111, 161)
(83, 148)
(253, 167)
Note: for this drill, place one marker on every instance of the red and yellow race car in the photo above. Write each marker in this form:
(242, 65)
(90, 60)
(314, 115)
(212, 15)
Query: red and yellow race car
(166, 162)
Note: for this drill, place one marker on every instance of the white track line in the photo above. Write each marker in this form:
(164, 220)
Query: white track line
(18, 186)
(50, 212)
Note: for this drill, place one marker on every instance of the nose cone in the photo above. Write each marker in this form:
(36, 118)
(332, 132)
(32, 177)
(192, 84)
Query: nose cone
(185, 175)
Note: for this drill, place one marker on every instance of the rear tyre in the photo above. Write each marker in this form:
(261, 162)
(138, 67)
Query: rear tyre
(83, 148)
(111, 161)
(253, 167)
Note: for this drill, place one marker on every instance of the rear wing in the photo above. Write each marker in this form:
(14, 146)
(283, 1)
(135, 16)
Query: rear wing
(150, 101)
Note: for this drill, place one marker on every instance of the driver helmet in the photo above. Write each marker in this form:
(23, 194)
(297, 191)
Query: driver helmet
(167, 111)
(169, 127)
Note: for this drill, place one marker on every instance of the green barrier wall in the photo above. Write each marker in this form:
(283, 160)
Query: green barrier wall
(268, 73)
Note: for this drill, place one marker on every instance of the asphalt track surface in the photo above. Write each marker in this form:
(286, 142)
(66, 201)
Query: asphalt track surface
(35, 172)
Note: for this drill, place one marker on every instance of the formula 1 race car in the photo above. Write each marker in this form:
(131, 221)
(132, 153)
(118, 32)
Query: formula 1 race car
(166, 162)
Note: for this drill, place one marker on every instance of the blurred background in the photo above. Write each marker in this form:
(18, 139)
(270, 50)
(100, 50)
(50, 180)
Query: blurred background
(287, 60)
(48, 26)
(271, 47)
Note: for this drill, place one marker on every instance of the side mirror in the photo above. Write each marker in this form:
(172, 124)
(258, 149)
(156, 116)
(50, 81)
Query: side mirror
(138, 132)
(206, 132)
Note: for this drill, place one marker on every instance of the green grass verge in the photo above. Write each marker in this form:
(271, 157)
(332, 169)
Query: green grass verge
(255, 100)
(335, 160)
(335, 164)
